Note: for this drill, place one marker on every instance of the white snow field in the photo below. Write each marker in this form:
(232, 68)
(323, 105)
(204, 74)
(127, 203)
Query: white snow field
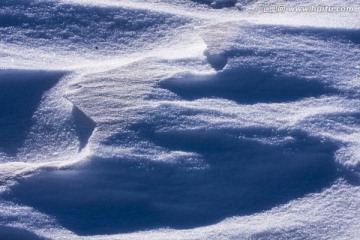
(182, 119)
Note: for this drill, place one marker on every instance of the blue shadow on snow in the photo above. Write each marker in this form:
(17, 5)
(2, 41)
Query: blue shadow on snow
(246, 86)
(21, 92)
(244, 176)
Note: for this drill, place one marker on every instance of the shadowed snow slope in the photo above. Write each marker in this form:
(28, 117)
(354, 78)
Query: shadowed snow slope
(20, 95)
(242, 177)
(81, 27)
(246, 86)
(84, 126)
(12, 233)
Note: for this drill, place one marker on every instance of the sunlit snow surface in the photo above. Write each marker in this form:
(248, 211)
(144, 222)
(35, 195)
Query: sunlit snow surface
(154, 119)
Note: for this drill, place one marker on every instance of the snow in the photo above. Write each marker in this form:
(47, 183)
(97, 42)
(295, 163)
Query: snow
(178, 120)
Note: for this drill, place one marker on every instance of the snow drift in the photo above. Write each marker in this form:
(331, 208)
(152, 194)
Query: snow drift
(181, 120)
